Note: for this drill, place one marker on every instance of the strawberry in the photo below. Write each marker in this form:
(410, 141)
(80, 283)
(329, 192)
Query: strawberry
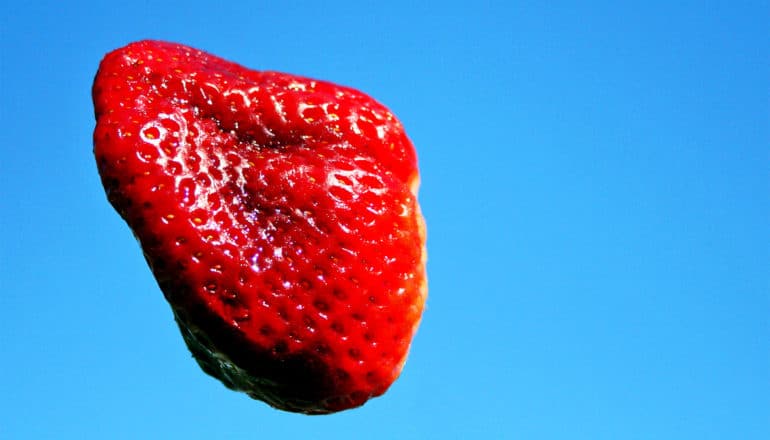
(278, 215)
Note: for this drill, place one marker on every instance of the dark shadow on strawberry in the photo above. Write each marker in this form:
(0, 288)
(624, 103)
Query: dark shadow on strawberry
(294, 382)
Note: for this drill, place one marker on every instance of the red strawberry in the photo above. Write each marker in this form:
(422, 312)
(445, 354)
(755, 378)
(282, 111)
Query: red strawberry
(278, 215)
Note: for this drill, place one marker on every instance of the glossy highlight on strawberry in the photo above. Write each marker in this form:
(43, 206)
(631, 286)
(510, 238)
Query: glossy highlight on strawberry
(278, 214)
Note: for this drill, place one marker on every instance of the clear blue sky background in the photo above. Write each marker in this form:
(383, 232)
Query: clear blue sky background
(595, 180)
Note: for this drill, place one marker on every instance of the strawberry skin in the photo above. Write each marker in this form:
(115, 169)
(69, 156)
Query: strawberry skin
(278, 214)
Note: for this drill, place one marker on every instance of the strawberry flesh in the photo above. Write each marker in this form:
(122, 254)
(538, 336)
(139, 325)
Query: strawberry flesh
(278, 215)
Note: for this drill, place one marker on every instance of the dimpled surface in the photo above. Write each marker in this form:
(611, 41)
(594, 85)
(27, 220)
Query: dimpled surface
(278, 214)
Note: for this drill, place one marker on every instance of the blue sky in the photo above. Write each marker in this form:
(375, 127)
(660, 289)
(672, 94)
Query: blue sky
(595, 182)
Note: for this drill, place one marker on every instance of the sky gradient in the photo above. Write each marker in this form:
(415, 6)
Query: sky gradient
(595, 184)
